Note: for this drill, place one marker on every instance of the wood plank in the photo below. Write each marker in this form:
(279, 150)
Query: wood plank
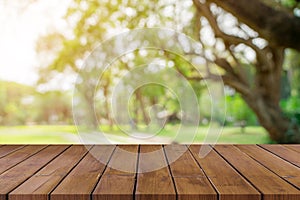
(43, 182)
(295, 147)
(7, 149)
(154, 184)
(18, 156)
(13, 177)
(229, 184)
(282, 168)
(283, 152)
(190, 181)
(81, 181)
(269, 184)
(119, 184)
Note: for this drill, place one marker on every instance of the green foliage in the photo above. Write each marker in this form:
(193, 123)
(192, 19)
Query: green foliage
(291, 105)
(13, 102)
(238, 111)
(53, 107)
(289, 3)
(291, 108)
(95, 21)
(292, 65)
(21, 104)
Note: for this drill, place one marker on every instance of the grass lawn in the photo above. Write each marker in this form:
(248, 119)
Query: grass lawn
(68, 135)
(251, 135)
(37, 134)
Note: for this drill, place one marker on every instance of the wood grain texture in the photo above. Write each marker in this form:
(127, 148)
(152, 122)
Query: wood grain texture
(18, 156)
(269, 184)
(285, 170)
(13, 177)
(43, 182)
(229, 184)
(294, 147)
(81, 181)
(283, 152)
(118, 180)
(228, 172)
(190, 181)
(155, 184)
(7, 149)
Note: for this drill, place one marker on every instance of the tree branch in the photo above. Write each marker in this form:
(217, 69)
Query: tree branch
(280, 28)
(230, 39)
(218, 32)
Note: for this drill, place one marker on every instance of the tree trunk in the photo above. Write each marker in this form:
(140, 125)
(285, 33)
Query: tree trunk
(107, 110)
(280, 128)
(265, 97)
(91, 119)
(139, 98)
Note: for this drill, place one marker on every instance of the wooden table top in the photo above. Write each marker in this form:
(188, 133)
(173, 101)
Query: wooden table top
(228, 172)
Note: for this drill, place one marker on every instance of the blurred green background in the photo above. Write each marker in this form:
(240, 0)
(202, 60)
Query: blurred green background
(39, 109)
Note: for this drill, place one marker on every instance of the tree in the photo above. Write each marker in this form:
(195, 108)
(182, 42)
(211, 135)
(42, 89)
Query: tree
(278, 27)
(265, 31)
(52, 107)
(241, 36)
(16, 103)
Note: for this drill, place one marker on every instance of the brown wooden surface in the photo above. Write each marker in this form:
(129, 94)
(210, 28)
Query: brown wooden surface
(5, 150)
(227, 181)
(16, 175)
(18, 156)
(116, 184)
(43, 182)
(294, 147)
(284, 152)
(285, 170)
(190, 180)
(268, 183)
(83, 178)
(237, 172)
(156, 184)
